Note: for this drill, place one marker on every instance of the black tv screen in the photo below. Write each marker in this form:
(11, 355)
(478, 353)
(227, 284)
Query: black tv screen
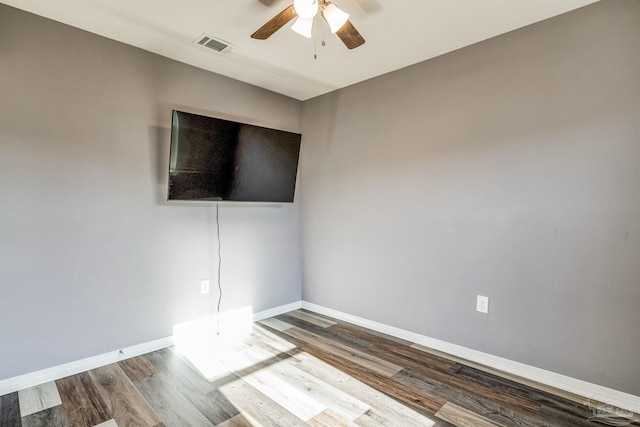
(216, 159)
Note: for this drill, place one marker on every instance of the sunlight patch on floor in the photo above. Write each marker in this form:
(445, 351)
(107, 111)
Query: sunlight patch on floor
(203, 341)
(216, 348)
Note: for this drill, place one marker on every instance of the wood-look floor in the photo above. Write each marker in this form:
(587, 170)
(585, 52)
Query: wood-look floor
(296, 369)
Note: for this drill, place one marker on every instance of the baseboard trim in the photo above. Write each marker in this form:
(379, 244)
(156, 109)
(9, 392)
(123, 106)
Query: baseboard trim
(276, 311)
(21, 382)
(571, 385)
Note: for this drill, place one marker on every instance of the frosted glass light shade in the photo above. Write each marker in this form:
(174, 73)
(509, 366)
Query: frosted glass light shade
(306, 9)
(303, 26)
(335, 17)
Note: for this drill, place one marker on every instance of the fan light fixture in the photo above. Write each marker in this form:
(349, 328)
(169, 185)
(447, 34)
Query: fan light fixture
(307, 11)
(334, 16)
(303, 26)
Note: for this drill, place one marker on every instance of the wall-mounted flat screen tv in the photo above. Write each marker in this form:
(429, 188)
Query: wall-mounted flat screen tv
(222, 160)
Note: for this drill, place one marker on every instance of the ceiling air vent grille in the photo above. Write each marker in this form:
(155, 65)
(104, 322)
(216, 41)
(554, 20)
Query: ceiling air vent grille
(213, 43)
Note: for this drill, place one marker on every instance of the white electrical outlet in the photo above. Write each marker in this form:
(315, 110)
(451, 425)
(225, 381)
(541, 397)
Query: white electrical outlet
(482, 304)
(204, 286)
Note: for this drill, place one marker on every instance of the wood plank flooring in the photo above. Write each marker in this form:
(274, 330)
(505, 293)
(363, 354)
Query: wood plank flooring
(296, 369)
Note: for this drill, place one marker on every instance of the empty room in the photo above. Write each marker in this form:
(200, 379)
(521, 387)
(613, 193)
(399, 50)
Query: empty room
(348, 213)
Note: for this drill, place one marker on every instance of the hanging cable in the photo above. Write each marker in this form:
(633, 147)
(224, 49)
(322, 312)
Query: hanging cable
(219, 264)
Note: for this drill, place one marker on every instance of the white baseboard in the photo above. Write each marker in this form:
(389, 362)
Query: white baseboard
(595, 392)
(276, 311)
(21, 382)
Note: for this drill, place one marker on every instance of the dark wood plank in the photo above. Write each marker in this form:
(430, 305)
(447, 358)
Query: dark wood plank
(400, 350)
(369, 332)
(329, 333)
(202, 394)
(482, 407)
(506, 385)
(52, 417)
(177, 367)
(307, 316)
(126, 404)
(81, 400)
(513, 402)
(389, 386)
(137, 368)
(556, 416)
(169, 403)
(366, 360)
(10, 410)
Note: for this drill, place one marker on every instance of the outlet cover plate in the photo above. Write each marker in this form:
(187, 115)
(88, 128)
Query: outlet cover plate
(204, 286)
(482, 304)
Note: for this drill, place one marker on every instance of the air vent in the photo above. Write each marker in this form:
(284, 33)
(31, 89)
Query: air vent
(214, 43)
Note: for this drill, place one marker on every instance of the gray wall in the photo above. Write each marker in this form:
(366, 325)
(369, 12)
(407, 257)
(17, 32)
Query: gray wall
(511, 169)
(92, 257)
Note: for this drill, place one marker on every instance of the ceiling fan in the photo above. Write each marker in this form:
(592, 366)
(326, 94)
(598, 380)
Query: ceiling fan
(306, 12)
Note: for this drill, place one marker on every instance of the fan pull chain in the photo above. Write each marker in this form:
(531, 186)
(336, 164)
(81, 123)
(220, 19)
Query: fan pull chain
(315, 43)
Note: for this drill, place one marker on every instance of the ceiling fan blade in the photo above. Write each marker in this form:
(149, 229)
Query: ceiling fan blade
(350, 36)
(277, 22)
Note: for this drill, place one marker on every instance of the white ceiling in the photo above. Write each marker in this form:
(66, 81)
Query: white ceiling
(398, 33)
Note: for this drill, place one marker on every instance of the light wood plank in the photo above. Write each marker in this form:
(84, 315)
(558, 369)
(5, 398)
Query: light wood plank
(282, 367)
(264, 359)
(127, 406)
(387, 411)
(241, 420)
(251, 401)
(329, 418)
(293, 400)
(276, 324)
(409, 395)
(461, 417)
(38, 398)
(108, 423)
(274, 342)
(337, 401)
